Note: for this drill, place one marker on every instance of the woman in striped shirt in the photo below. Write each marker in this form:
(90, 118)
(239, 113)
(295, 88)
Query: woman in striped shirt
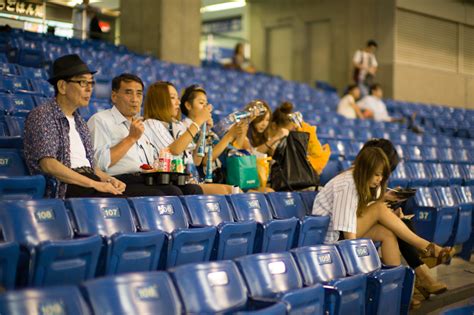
(354, 202)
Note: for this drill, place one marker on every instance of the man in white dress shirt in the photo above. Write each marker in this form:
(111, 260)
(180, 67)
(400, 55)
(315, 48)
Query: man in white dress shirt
(120, 144)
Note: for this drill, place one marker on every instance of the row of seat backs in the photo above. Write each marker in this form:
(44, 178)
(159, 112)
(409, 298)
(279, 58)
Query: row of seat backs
(295, 278)
(413, 174)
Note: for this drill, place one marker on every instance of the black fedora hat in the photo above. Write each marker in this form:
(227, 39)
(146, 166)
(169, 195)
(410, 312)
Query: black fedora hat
(68, 66)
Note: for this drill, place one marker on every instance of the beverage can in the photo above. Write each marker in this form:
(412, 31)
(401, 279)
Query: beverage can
(164, 161)
(179, 165)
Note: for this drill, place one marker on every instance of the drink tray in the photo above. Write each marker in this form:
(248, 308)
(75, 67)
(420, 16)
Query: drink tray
(153, 177)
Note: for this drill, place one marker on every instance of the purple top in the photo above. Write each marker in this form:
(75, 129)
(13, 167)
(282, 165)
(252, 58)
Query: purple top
(47, 135)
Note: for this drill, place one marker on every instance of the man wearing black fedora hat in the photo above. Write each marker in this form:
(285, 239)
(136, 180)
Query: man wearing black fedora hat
(57, 142)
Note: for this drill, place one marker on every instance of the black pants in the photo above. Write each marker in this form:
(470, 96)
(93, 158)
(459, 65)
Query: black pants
(136, 187)
(80, 192)
(409, 252)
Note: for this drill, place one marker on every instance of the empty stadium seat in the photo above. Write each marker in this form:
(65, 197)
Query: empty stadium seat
(133, 293)
(272, 235)
(218, 287)
(419, 176)
(9, 256)
(455, 175)
(467, 172)
(124, 249)
(276, 276)
(11, 163)
(431, 221)
(184, 244)
(22, 187)
(438, 174)
(9, 139)
(400, 176)
(323, 264)
(48, 250)
(463, 223)
(17, 104)
(311, 230)
(54, 300)
(389, 289)
(234, 239)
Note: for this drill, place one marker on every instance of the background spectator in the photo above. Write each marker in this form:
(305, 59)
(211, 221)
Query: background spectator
(365, 66)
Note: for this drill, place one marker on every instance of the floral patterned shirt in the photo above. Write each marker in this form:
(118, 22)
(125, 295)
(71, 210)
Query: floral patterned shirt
(47, 135)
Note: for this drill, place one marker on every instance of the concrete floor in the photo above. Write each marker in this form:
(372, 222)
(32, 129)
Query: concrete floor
(459, 276)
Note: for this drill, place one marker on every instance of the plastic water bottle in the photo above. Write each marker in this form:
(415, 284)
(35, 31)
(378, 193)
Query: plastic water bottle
(225, 124)
(208, 178)
(202, 146)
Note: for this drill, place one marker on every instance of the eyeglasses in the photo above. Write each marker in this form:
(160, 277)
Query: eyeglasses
(83, 83)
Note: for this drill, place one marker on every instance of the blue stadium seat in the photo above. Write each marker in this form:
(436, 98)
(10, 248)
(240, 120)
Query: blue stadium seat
(43, 87)
(234, 239)
(276, 276)
(30, 57)
(8, 69)
(463, 223)
(468, 174)
(133, 293)
(218, 287)
(419, 176)
(48, 250)
(22, 187)
(33, 73)
(15, 125)
(438, 173)
(17, 104)
(6, 139)
(430, 154)
(15, 85)
(124, 249)
(400, 176)
(311, 230)
(414, 153)
(11, 163)
(462, 156)
(389, 289)
(308, 200)
(272, 235)
(431, 221)
(53, 300)
(331, 170)
(184, 245)
(446, 154)
(323, 264)
(9, 255)
(454, 173)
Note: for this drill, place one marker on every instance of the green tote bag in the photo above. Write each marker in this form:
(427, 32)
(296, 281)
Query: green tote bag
(242, 171)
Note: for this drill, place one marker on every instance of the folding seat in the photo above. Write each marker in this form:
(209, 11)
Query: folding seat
(7, 140)
(9, 255)
(43, 87)
(462, 156)
(17, 104)
(389, 289)
(353, 150)
(332, 169)
(414, 153)
(48, 250)
(345, 133)
(30, 57)
(463, 222)
(419, 176)
(8, 69)
(467, 172)
(430, 154)
(308, 200)
(311, 230)
(400, 176)
(446, 154)
(276, 276)
(432, 221)
(443, 142)
(16, 125)
(133, 293)
(124, 250)
(234, 239)
(465, 198)
(167, 214)
(363, 134)
(322, 264)
(52, 300)
(339, 149)
(438, 173)
(429, 140)
(33, 73)
(22, 187)
(218, 288)
(415, 139)
(16, 85)
(327, 132)
(11, 163)
(398, 137)
(272, 235)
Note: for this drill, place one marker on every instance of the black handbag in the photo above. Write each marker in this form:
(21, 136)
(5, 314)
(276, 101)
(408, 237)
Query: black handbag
(291, 169)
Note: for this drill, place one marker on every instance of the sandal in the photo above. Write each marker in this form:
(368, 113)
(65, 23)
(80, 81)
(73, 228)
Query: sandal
(426, 290)
(431, 260)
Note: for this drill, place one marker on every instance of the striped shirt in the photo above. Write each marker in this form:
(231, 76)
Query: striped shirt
(338, 199)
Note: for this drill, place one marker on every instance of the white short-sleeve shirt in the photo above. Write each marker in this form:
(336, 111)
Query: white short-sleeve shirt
(376, 106)
(344, 107)
(338, 199)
